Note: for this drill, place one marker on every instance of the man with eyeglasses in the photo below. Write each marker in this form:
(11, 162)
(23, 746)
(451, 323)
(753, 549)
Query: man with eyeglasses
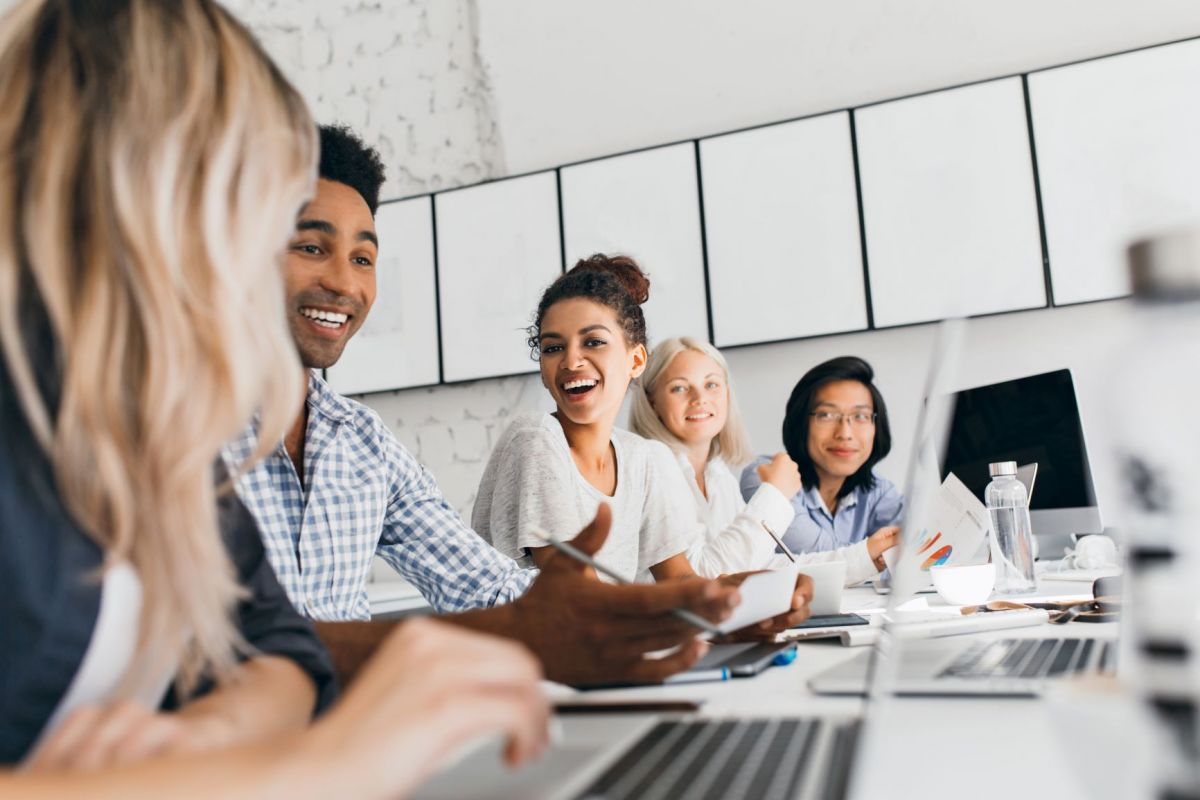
(836, 430)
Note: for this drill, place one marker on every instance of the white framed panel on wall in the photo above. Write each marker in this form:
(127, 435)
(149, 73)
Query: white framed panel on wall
(645, 205)
(397, 345)
(782, 230)
(950, 205)
(498, 249)
(1117, 160)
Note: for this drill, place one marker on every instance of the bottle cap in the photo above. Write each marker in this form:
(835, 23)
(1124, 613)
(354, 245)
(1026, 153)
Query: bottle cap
(1002, 468)
(1166, 268)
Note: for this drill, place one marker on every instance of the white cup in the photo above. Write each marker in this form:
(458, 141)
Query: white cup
(828, 578)
(968, 585)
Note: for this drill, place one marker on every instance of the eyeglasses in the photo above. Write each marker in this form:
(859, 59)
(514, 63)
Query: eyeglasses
(859, 419)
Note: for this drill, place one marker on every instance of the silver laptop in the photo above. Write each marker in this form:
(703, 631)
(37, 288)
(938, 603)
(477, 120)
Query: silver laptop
(953, 666)
(669, 757)
(1016, 667)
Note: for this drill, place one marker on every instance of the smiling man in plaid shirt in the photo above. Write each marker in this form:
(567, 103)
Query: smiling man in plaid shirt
(341, 488)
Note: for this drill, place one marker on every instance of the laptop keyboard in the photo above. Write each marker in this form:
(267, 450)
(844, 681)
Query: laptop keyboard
(729, 759)
(1033, 658)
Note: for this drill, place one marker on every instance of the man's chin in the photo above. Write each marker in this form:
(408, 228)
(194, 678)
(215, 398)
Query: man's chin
(320, 357)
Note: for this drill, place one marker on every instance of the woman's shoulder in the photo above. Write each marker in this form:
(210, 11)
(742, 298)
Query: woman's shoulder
(532, 431)
(880, 489)
(719, 468)
(882, 484)
(650, 451)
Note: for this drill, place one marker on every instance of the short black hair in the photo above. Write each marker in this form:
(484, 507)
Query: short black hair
(797, 419)
(345, 158)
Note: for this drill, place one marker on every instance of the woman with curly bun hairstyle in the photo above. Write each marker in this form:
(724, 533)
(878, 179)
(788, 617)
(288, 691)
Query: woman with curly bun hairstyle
(550, 470)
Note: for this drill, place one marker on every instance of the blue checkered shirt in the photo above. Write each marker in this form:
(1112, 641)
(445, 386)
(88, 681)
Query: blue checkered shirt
(363, 494)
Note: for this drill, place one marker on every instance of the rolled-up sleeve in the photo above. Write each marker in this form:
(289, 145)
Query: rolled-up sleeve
(266, 618)
(427, 542)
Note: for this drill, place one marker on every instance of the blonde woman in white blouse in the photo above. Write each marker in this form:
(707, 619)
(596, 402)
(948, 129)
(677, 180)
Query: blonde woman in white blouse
(685, 400)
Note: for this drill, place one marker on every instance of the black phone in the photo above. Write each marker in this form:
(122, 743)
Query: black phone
(832, 621)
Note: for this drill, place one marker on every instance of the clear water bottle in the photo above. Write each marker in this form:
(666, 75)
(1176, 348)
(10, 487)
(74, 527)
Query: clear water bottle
(1008, 506)
(1158, 470)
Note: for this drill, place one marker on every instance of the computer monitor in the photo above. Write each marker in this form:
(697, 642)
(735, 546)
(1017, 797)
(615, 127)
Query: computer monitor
(1027, 420)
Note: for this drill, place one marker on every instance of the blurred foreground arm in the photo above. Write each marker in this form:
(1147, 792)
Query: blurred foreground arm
(430, 689)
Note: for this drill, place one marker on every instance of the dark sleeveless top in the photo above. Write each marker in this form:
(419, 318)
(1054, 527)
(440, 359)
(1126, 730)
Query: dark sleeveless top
(50, 593)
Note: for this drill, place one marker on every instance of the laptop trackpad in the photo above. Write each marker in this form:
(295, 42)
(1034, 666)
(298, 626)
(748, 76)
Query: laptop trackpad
(568, 766)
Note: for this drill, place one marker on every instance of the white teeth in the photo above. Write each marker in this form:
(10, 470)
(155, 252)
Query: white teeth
(326, 319)
(694, 417)
(579, 383)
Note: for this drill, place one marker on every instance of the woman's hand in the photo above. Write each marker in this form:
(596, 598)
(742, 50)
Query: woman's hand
(265, 696)
(881, 541)
(430, 689)
(93, 737)
(783, 474)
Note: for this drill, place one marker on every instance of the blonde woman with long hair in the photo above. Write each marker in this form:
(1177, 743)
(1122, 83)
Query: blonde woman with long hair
(152, 161)
(685, 399)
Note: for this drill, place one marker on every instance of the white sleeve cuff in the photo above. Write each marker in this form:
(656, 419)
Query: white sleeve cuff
(769, 504)
(859, 566)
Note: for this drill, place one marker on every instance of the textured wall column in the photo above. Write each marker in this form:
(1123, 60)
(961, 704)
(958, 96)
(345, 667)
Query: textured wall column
(408, 77)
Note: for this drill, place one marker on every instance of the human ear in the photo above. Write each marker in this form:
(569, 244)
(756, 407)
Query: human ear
(639, 361)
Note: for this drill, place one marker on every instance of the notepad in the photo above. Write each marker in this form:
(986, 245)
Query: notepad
(764, 595)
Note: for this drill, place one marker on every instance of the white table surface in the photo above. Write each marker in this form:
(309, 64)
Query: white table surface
(925, 748)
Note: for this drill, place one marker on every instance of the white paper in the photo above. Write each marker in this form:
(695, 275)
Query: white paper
(959, 530)
(764, 595)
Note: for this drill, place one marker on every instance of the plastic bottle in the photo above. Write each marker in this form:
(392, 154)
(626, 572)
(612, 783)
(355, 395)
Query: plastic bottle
(1155, 441)
(1008, 506)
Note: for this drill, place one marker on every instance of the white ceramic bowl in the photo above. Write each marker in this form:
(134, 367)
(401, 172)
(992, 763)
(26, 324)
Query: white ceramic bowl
(968, 585)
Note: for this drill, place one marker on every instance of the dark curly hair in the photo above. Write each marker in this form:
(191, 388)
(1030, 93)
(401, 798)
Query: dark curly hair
(613, 281)
(346, 159)
(796, 420)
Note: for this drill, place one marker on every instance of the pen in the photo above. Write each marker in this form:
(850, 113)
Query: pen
(583, 558)
(778, 541)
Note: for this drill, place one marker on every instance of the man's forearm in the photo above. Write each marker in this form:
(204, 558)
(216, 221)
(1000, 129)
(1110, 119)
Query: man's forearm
(498, 621)
(351, 644)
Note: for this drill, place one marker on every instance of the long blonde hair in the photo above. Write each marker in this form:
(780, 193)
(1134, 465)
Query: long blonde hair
(732, 444)
(152, 161)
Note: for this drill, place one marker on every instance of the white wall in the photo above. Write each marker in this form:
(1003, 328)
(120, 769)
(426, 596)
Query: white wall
(465, 90)
(406, 76)
(1084, 338)
(575, 79)
(453, 91)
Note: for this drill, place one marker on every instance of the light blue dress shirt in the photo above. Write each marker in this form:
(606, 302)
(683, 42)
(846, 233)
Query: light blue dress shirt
(363, 494)
(815, 530)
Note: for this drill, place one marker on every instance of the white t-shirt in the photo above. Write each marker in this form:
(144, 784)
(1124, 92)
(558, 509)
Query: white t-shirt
(734, 539)
(110, 652)
(531, 481)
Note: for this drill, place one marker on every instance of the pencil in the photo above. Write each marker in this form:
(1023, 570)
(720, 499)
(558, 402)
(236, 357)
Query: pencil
(778, 541)
(570, 550)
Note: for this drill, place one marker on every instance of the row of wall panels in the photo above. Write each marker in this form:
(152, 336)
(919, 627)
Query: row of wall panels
(900, 212)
